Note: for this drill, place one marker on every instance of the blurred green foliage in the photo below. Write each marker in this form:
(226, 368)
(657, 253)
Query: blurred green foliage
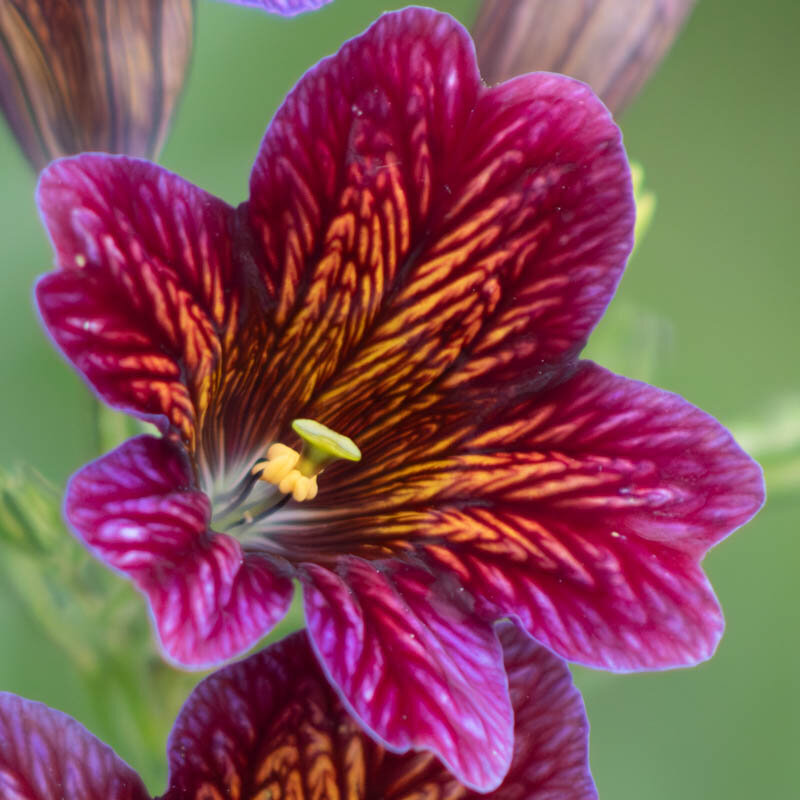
(91, 617)
(708, 309)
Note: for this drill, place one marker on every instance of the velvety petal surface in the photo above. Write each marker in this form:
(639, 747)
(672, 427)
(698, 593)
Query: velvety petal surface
(272, 726)
(145, 298)
(137, 509)
(46, 755)
(582, 510)
(415, 226)
(286, 8)
(414, 664)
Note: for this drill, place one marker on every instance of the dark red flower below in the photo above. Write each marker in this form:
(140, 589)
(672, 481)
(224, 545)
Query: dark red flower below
(273, 727)
(419, 263)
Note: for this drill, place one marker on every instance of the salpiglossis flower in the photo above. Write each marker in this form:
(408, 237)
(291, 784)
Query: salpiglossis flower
(409, 285)
(272, 727)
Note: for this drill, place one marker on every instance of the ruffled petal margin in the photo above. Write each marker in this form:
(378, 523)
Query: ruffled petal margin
(137, 510)
(273, 725)
(45, 755)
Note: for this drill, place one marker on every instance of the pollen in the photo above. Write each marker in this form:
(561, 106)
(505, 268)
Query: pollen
(280, 469)
(295, 473)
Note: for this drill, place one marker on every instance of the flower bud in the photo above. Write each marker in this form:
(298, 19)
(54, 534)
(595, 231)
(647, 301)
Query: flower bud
(613, 45)
(103, 75)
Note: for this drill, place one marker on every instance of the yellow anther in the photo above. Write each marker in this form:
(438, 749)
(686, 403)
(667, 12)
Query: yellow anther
(279, 470)
(299, 486)
(296, 473)
(304, 488)
(281, 460)
(281, 451)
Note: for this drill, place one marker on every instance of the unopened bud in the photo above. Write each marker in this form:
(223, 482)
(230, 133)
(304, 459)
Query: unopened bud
(613, 45)
(101, 75)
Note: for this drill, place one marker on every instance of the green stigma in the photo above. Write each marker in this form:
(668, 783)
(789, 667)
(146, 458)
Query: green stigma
(321, 446)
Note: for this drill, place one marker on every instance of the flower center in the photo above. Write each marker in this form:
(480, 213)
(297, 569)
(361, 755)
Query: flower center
(288, 473)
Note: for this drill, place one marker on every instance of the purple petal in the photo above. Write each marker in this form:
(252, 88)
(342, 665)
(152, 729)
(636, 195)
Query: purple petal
(143, 303)
(269, 722)
(46, 755)
(415, 667)
(137, 510)
(605, 536)
(551, 734)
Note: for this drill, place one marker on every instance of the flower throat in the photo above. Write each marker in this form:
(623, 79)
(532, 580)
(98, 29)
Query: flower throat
(292, 474)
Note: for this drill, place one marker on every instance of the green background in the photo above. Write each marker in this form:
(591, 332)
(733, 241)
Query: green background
(708, 309)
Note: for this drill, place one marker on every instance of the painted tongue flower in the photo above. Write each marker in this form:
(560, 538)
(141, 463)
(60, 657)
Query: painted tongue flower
(272, 727)
(387, 332)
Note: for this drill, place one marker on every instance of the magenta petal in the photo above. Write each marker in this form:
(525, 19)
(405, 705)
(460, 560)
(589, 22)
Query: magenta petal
(286, 8)
(46, 755)
(587, 518)
(137, 510)
(548, 153)
(143, 300)
(414, 665)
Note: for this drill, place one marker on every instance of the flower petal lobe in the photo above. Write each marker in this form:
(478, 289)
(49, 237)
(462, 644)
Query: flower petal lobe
(582, 510)
(136, 508)
(551, 733)
(414, 666)
(45, 754)
(142, 303)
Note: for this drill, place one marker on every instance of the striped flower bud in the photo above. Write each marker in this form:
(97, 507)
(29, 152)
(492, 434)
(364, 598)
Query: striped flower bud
(80, 75)
(613, 45)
